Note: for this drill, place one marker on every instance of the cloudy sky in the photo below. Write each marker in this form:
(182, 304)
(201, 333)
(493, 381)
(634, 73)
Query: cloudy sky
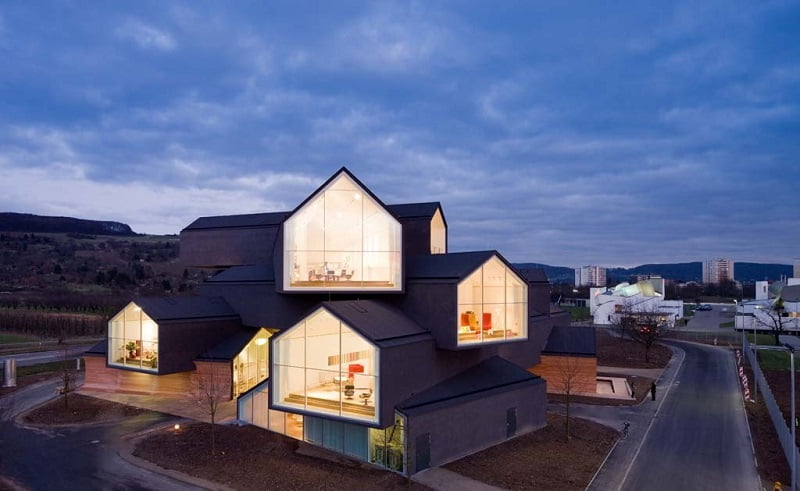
(567, 133)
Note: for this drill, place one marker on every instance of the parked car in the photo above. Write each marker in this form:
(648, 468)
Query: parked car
(704, 307)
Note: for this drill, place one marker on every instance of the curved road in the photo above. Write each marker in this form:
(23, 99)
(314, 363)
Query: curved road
(693, 437)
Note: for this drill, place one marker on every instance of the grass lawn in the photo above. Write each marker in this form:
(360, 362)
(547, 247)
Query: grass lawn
(11, 338)
(576, 313)
(776, 360)
(761, 339)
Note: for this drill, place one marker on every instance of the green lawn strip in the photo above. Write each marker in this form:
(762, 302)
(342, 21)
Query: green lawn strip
(576, 313)
(10, 338)
(727, 325)
(776, 360)
(762, 339)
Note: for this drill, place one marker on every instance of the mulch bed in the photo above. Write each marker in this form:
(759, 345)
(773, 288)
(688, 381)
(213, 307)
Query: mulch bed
(615, 352)
(81, 409)
(279, 466)
(772, 464)
(641, 389)
(543, 459)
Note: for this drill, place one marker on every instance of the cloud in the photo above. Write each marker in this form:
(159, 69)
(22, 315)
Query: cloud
(146, 36)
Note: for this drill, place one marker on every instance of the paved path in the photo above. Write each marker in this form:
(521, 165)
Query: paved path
(442, 479)
(694, 436)
(76, 458)
(35, 358)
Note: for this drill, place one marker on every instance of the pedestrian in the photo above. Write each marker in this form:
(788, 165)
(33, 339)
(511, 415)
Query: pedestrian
(653, 391)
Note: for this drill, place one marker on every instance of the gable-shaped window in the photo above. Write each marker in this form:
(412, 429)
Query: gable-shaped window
(323, 366)
(133, 339)
(250, 366)
(342, 239)
(438, 234)
(492, 305)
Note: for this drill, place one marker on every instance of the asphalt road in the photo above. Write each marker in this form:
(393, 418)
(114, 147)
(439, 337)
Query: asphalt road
(699, 437)
(709, 320)
(73, 458)
(27, 359)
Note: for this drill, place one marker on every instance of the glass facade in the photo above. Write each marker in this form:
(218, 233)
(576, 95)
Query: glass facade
(342, 239)
(251, 365)
(133, 340)
(387, 446)
(492, 305)
(322, 365)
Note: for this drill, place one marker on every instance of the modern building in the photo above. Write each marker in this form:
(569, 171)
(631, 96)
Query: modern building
(776, 304)
(590, 276)
(348, 324)
(718, 270)
(796, 267)
(646, 297)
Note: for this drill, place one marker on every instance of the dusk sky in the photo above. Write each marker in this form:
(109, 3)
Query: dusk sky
(566, 133)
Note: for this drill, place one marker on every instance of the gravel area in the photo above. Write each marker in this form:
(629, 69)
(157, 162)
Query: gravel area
(81, 409)
(252, 458)
(615, 352)
(543, 459)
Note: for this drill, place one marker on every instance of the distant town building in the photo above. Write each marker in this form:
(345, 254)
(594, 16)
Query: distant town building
(643, 297)
(590, 276)
(717, 270)
(796, 268)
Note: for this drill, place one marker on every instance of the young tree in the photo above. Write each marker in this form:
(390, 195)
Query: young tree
(68, 377)
(566, 381)
(645, 326)
(209, 392)
(772, 317)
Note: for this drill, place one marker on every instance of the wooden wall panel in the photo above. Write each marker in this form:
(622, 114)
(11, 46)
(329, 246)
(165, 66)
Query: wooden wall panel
(554, 370)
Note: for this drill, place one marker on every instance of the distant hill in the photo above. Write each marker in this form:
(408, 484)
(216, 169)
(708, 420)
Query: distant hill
(744, 272)
(24, 222)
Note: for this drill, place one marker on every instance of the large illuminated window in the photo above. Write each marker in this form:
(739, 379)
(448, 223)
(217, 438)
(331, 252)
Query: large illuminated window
(251, 365)
(438, 234)
(492, 305)
(133, 339)
(342, 239)
(322, 365)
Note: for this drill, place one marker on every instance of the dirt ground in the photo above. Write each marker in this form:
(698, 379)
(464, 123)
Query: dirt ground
(279, 465)
(772, 465)
(615, 352)
(543, 459)
(81, 409)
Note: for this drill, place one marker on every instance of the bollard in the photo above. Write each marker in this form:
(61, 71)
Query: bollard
(78, 364)
(10, 373)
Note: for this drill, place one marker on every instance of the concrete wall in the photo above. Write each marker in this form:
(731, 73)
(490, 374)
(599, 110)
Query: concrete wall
(557, 370)
(461, 429)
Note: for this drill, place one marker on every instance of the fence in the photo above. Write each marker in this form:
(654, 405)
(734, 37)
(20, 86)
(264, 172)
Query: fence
(781, 428)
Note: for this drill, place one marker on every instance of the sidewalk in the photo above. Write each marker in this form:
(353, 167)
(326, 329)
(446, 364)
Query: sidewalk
(444, 480)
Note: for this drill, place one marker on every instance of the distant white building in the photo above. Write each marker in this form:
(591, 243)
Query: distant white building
(797, 267)
(718, 270)
(590, 276)
(645, 296)
(760, 314)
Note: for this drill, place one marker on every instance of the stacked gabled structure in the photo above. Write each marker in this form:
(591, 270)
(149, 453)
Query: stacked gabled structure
(382, 345)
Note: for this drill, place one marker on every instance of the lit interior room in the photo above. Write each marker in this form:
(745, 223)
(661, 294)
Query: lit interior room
(251, 365)
(339, 376)
(342, 238)
(133, 340)
(492, 305)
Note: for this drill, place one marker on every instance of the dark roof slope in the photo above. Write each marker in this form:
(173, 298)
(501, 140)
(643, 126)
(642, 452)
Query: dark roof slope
(534, 275)
(230, 346)
(455, 265)
(791, 293)
(174, 308)
(234, 221)
(414, 210)
(100, 348)
(572, 340)
(376, 321)
(491, 374)
(251, 273)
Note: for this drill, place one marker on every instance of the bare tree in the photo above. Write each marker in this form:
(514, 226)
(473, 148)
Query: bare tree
(68, 377)
(209, 392)
(643, 323)
(773, 318)
(565, 379)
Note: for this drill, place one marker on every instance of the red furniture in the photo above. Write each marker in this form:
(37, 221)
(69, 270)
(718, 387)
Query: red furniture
(354, 368)
(487, 321)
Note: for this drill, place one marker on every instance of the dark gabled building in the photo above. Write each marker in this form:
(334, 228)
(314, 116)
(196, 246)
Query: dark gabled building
(347, 324)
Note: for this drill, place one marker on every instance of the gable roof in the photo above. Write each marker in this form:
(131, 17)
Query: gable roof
(346, 171)
(250, 273)
(376, 321)
(239, 221)
(231, 346)
(534, 275)
(572, 340)
(454, 265)
(100, 348)
(180, 308)
(494, 373)
(415, 210)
